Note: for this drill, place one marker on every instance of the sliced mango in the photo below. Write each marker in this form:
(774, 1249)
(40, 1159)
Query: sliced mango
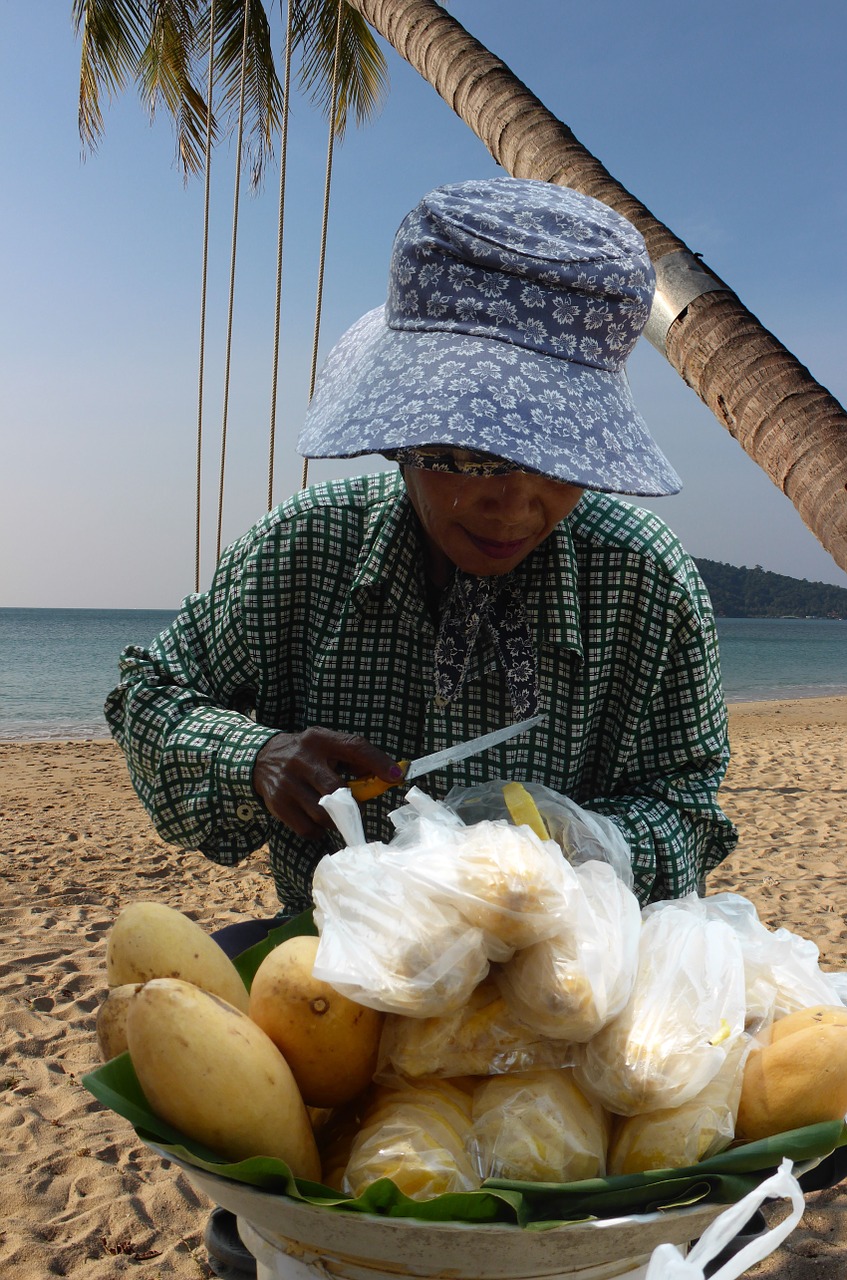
(523, 810)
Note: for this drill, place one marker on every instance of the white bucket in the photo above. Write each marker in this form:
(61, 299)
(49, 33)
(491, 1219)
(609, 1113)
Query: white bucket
(281, 1259)
(292, 1240)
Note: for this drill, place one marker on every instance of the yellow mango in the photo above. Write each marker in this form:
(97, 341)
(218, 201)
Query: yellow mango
(111, 1020)
(329, 1042)
(151, 940)
(523, 810)
(207, 1069)
(799, 1080)
(818, 1015)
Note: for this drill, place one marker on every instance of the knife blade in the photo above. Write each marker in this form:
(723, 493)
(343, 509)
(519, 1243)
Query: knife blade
(366, 788)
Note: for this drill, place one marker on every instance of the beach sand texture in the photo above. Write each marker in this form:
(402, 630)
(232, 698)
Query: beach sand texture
(81, 1196)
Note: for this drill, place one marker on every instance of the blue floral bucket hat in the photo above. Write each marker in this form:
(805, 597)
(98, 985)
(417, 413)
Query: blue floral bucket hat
(512, 308)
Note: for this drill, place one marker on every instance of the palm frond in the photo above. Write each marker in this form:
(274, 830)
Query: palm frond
(163, 45)
(362, 69)
(165, 74)
(262, 88)
(113, 37)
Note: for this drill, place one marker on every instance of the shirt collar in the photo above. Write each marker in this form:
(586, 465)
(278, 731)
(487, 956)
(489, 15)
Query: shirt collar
(390, 561)
(551, 592)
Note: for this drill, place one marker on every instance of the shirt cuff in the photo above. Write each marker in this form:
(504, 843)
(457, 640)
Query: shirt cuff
(241, 810)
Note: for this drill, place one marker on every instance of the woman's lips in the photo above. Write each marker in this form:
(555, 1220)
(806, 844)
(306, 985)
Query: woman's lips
(498, 550)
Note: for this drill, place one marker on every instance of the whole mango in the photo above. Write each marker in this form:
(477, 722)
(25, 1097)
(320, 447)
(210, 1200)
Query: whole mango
(152, 940)
(798, 1080)
(111, 1020)
(329, 1042)
(207, 1069)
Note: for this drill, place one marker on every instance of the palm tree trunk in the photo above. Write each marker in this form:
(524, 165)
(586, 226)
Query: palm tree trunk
(790, 425)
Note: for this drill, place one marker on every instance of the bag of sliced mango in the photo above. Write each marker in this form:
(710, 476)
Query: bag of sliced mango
(581, 834)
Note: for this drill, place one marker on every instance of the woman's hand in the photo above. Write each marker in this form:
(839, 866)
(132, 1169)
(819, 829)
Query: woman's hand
(293, 770)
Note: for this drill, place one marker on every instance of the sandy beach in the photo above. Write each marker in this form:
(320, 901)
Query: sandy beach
(84, 1198)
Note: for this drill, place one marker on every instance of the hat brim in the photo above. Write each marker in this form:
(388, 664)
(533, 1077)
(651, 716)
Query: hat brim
(383, 389)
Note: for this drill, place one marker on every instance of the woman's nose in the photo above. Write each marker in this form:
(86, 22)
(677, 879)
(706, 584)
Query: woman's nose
(512, 495)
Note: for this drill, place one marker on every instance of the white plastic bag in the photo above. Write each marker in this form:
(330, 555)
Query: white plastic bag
(686, 1009)
(838, 982)
(781, 968)
(583, 836)
(499, 878)
(346, 815)
(569, 986)
(667, 1263)
(385, 944)
(420, 805)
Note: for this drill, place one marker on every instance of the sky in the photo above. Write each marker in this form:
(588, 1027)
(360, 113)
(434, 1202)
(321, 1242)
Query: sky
(725, 119)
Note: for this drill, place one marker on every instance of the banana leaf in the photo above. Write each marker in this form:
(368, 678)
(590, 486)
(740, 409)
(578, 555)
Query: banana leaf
(248, 962)
(722, 1179)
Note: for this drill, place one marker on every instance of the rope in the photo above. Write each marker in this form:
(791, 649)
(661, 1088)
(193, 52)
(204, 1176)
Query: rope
(327, 184)
(203, 291)
(283, 151)
(232, 274)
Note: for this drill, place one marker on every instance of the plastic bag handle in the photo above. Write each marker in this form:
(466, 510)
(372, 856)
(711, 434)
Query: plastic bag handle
(344, 811)
(667, 1263)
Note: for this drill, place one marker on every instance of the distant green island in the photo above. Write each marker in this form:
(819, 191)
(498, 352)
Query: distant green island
(756, 593)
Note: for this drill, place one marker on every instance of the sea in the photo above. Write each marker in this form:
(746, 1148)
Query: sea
(57, 665)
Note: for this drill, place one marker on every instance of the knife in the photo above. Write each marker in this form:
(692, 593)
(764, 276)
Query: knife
(366, 788)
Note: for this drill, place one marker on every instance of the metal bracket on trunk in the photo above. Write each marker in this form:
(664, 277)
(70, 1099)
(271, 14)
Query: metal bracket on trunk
(680, 278)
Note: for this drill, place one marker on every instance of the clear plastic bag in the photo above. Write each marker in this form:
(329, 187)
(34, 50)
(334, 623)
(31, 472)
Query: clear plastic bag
(781, 968)
(480, 1039)
(838, 982)
(583, 836)
(676, 1137)
(569, 986)
(686, 1009)
(537, 1127)
(416, 1136)
(385, 944)
(500, 878)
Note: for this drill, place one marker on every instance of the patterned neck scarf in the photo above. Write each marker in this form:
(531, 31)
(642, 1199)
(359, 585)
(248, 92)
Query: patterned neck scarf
(497, 603)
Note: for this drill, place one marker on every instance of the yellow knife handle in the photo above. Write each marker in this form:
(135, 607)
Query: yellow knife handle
(367, 788)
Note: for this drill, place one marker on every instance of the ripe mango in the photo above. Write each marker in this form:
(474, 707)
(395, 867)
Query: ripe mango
(151, 940)
(329, 1042)
(799, 1080)
(111, 1020)
(819, 1015)
(207, 1069)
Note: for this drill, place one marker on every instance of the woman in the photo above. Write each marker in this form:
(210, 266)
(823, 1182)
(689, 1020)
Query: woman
(490, 576)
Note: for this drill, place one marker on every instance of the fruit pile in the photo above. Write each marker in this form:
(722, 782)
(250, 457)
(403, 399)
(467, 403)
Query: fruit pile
(715, 1032)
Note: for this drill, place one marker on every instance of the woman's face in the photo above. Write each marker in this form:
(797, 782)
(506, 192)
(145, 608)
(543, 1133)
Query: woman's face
(485, 525)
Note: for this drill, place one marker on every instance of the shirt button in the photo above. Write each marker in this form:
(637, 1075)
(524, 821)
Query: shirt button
(245, 812)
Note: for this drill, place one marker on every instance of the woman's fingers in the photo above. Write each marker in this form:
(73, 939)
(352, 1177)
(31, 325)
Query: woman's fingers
(293, 770)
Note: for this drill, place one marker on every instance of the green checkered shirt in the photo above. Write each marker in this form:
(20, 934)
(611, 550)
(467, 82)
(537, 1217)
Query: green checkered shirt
(319, 616)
